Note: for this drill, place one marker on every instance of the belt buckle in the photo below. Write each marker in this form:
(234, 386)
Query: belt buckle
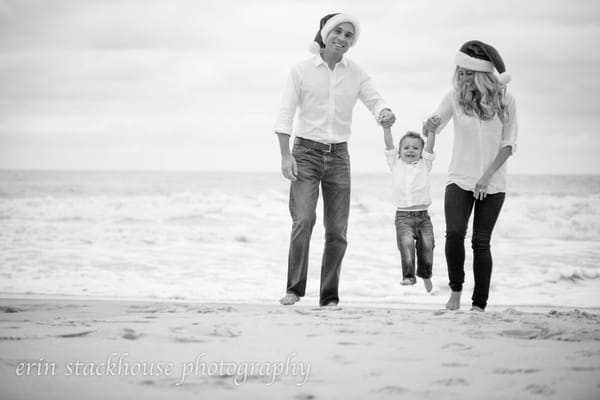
(329, 148)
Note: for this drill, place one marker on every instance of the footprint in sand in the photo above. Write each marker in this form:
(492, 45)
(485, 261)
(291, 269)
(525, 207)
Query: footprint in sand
(188, 339)
(131, 334)
(521, 333)
(341, 359)
(394, 390)
(583, 369)
(76, 334)
(454, 364)
(456, 346)
(9, 309)
(223, 331)
(543, 390)
(508, 371)
(305, 396)
(452, 382)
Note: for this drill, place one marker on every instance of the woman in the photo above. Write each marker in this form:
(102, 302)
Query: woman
(485, 133)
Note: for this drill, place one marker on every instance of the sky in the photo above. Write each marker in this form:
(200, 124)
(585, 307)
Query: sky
(195, 85)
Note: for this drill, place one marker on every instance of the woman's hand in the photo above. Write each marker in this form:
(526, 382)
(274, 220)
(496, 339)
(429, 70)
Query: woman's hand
(481, 187)
(432, 124)
(289, 167)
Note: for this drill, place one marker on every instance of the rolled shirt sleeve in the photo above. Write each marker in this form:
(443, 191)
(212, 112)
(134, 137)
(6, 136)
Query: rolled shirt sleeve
(289, 103)
(510, 127)
(371, 98)
(391, 157)
(444, 111)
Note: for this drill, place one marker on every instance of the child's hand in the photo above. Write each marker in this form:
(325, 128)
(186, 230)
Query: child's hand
(387, 124)
(431, 124)
(387, 118)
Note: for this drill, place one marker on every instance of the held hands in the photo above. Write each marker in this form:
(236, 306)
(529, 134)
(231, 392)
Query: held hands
(387, 118)
(431, 125)
(289, 167)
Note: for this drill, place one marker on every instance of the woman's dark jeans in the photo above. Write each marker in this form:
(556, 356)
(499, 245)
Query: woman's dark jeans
(458, 204)
(331, 171)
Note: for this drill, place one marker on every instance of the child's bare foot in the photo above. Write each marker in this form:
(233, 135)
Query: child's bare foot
(454, 301)
(289, 299)
(476, 308)
(428, 285)
(407, 282)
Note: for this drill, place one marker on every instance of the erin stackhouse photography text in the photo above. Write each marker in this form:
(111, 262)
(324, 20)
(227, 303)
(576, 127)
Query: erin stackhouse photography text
(121, 364)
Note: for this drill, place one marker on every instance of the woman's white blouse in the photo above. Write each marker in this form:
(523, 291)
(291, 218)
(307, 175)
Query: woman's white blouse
(477, 143)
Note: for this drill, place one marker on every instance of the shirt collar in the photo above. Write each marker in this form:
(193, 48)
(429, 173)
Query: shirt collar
(319, 60)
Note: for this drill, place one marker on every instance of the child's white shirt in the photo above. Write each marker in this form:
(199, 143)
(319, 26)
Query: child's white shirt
(410, 182)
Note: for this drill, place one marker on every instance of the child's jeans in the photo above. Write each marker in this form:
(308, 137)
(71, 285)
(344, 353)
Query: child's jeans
(414, 231)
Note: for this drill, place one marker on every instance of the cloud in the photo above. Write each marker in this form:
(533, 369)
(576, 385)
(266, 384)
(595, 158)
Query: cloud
(135, 80)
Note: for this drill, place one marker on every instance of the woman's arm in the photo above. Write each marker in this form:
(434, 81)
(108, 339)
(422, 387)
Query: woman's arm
(482, 184)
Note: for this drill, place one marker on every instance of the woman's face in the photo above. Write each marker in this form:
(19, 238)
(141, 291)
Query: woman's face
(466, 77)
(340, 38)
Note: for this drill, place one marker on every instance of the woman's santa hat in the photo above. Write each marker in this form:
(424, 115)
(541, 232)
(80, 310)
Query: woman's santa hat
(479, 56)
(327, 24)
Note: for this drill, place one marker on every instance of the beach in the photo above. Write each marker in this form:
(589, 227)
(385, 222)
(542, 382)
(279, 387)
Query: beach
(118, 349)
(165, 285)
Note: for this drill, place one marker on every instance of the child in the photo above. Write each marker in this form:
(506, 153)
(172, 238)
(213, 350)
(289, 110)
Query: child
(410, 167)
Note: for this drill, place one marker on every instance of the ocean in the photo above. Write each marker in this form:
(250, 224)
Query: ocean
(223, 237)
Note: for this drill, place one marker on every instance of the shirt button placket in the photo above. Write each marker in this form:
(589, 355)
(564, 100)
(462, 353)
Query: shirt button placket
(331, 114)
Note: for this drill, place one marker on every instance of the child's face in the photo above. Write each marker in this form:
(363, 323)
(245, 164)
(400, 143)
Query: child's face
(410, 150)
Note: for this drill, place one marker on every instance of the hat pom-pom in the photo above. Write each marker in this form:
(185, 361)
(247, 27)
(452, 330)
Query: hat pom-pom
(504, 78)
(314, 48)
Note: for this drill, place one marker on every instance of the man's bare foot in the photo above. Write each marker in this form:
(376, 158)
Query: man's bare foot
(289, 299)
(330, 304)
(407, 282)
(428, 285)
(476, 308)
(454, 301)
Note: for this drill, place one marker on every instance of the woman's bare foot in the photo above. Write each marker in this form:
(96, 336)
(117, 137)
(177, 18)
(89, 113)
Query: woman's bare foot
(454, 301)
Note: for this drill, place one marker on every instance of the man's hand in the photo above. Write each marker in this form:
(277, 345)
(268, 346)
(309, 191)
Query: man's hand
(289, 167)
(387, 118)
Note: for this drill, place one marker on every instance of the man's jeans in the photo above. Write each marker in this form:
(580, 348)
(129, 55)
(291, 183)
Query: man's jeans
(415, 231)
(332, 172)
(458, 204)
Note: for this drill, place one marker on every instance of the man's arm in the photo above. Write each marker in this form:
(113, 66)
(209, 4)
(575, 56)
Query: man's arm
(289, 169)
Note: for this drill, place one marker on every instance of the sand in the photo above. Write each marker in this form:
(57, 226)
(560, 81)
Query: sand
(119, 349)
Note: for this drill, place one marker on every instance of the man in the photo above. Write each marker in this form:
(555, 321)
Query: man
(324, 89)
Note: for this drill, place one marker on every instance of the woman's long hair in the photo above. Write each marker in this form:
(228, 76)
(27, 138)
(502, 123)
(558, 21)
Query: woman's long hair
(486, 100)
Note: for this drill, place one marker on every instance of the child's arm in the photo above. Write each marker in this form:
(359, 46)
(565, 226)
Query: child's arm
(433, 123)
(387, 137)
(430, 142)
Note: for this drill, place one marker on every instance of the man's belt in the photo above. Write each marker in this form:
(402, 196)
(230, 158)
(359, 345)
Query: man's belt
(325, 147)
